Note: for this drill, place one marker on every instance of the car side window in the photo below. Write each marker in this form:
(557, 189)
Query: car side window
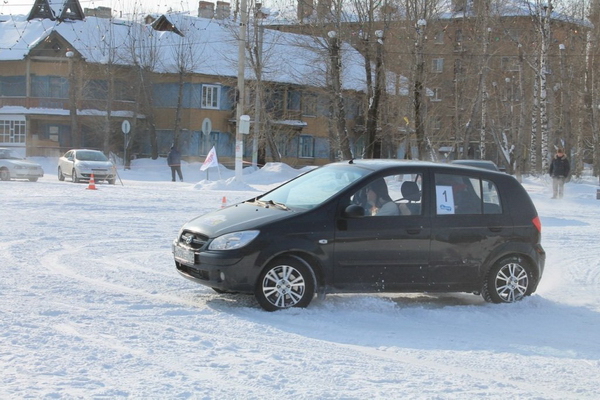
(392, 195)
(460, 194)
(491, 199)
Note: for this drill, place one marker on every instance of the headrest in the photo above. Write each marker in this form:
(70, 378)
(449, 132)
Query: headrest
(410, 191)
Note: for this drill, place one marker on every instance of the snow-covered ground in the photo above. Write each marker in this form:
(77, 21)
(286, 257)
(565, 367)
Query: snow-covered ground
(91, 306)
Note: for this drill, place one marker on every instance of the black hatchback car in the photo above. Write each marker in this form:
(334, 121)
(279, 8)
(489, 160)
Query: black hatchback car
(371, 226)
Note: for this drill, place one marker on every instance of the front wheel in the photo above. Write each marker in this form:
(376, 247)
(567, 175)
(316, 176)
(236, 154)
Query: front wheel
(74, 177)
(61, 176)
(509, 280)
(4, 174)
(285, 283)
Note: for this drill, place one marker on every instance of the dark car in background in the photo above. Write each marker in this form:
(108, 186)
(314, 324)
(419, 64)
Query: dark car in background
(446, 229)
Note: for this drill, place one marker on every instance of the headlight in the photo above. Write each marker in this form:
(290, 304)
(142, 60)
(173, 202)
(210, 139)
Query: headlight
(233, 240)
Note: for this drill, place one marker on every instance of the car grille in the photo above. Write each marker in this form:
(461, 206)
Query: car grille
(196, 273)
(193, 240)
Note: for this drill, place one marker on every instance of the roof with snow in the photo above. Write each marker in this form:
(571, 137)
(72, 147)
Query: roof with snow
(204, 46)
(56, 10)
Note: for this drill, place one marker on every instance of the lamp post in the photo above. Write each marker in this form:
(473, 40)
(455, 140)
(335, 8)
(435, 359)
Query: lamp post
(75, 136)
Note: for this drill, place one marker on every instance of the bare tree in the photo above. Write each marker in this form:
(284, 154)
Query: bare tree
(142, 55)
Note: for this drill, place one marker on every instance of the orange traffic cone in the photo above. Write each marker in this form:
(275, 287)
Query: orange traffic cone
(224, 202)
(92, 185)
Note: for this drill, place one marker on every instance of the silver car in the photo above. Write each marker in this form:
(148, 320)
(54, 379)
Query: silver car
(13, 166)
(80, 164)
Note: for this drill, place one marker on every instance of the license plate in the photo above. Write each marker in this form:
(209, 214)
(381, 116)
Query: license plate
(183, 255)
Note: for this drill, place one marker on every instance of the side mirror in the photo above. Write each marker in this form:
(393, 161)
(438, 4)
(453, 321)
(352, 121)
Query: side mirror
(354, 211)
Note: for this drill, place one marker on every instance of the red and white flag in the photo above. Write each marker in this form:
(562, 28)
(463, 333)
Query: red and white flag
(211, 160)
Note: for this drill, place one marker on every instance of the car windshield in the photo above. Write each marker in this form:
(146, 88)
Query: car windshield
(313, 188)
(91, 156)
(8, 154)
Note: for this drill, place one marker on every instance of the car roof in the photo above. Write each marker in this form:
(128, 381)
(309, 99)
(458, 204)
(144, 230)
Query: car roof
(486, 164)
(382, 164)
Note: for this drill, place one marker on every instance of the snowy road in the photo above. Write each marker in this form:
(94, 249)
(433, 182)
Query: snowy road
(91, 306)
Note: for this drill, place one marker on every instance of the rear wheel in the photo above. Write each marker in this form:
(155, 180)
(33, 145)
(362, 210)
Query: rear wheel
(509, 280)
(284, 283)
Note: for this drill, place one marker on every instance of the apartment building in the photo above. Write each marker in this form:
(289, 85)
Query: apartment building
(70, 77)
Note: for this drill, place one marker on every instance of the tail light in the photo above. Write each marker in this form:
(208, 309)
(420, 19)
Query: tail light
(537, 223)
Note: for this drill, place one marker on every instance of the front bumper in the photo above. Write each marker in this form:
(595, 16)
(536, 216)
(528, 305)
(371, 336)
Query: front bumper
(227, 270)
(27, 173)
(99, 174)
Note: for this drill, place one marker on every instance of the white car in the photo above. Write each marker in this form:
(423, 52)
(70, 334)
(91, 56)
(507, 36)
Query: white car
(80, 164)
(13, 166)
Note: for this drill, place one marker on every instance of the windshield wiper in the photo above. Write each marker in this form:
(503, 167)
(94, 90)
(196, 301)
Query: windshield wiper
(281, 206)
(269, 203)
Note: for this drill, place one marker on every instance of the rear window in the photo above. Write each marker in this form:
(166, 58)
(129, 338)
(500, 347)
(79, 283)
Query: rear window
(461, 194)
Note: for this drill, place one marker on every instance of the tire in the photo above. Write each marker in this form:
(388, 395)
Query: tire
(4, 174)
(61, 176)
(111, 181)
(508, 281)
(33, 179)
(286, 282)
(74, 177)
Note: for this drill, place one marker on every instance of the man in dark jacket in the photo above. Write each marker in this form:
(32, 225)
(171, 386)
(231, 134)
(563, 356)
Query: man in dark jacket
(174, 161)
(559, 171)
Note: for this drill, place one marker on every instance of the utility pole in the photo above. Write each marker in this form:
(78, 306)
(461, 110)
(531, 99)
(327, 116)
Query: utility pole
(257, 91)
(75, 134)
(239, 141)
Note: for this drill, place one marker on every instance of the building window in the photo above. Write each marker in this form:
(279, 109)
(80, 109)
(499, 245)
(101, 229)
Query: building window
(12, 131)
(439, 37)
(437, 65)
(458, 36)
(210, 96)
(274, 102)
(56, 87)
(306, 146)
(96, 89)
(309, 104)
(293, 100)
(437, 94)
(12, 85)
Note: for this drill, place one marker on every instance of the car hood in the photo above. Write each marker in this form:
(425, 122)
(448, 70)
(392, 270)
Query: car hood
(96, 164)
(239, 217)
(22, 163)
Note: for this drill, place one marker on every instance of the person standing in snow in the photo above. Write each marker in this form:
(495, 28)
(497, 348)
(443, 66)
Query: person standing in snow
(174, 161)
(559, 171)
